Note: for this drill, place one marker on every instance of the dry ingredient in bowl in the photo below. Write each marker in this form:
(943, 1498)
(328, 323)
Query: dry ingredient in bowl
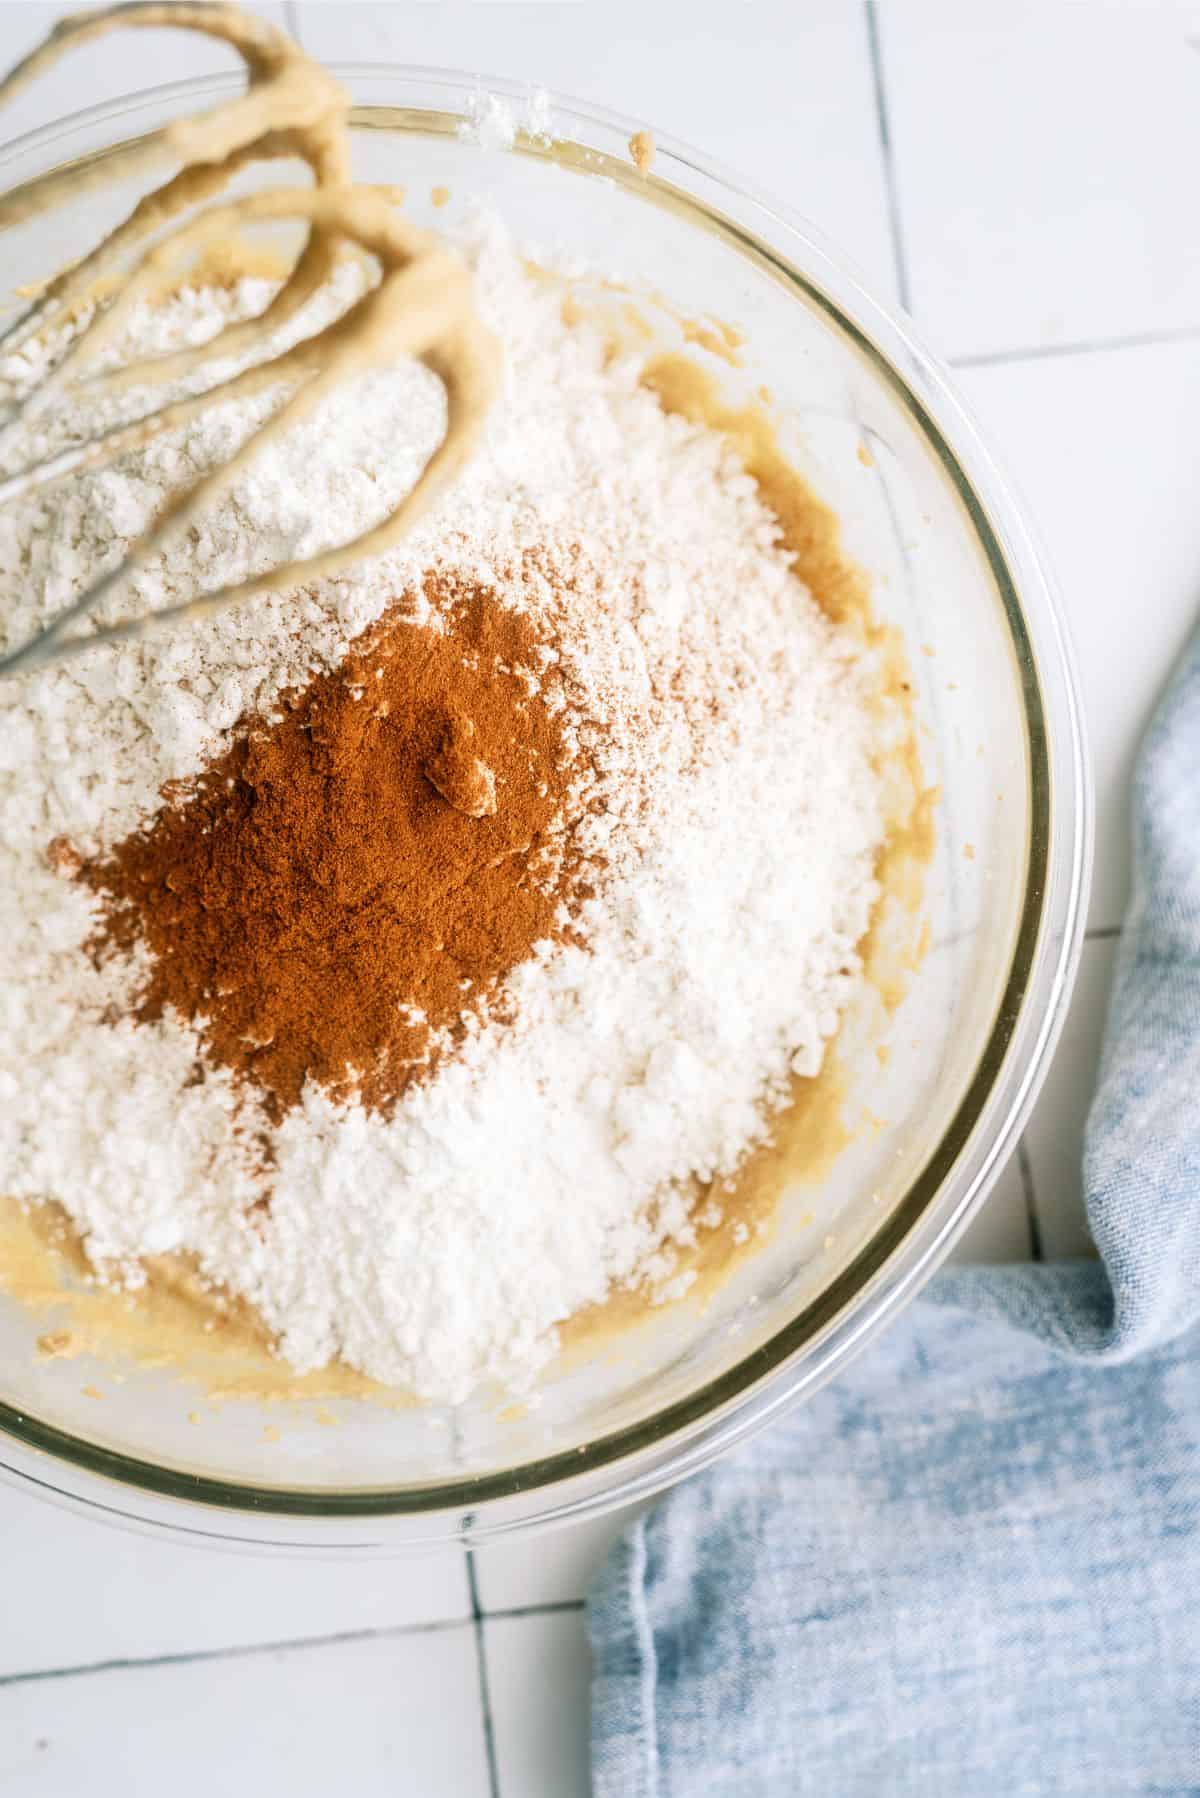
(420, 952)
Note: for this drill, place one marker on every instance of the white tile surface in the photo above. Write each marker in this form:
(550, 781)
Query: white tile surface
(1103, 448)
(538, 1670)
(1001, 1230)
(99, 71)
(377, 1719)
(1055, 1134)
(130, 1596)
(780, 91)
(550, 1569)
(1046, 154)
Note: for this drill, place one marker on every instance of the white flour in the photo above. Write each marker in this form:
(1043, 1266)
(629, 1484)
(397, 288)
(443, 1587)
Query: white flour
(550, 1158)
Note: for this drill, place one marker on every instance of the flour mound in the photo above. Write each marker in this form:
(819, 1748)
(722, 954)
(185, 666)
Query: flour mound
(558, 1151)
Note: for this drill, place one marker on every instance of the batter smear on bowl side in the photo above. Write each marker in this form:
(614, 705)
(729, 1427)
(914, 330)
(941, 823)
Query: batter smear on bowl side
(422, 953)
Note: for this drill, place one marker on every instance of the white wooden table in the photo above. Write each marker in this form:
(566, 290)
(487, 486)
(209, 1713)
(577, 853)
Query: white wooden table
(1018, 173)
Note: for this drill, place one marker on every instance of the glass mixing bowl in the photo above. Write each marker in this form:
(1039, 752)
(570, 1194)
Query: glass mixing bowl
(870, 419)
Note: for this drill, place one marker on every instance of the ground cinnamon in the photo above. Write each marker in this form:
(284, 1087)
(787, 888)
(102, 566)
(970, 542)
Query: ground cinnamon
(337, 895)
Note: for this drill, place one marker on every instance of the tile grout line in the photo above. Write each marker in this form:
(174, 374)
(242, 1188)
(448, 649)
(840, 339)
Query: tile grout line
(1025, 1168)
(1084, 346)
(481, 1666)
(553, 1607)
(900, 260)
(238, 1652)
(299, 1644)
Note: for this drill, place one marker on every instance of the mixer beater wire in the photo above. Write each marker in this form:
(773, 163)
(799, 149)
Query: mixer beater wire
(419, 306)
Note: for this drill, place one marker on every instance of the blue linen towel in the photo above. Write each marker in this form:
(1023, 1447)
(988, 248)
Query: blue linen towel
(971, 1567)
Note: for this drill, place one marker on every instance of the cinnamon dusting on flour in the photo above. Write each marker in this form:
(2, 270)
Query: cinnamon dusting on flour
(339, 896)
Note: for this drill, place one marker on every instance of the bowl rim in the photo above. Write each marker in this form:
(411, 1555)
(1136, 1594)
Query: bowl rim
(912, 1241)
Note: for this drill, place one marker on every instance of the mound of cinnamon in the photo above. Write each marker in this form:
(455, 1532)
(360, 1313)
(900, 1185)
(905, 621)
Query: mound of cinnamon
(339, 895)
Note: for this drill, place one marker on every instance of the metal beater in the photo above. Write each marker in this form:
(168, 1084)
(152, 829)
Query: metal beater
(420, 304)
